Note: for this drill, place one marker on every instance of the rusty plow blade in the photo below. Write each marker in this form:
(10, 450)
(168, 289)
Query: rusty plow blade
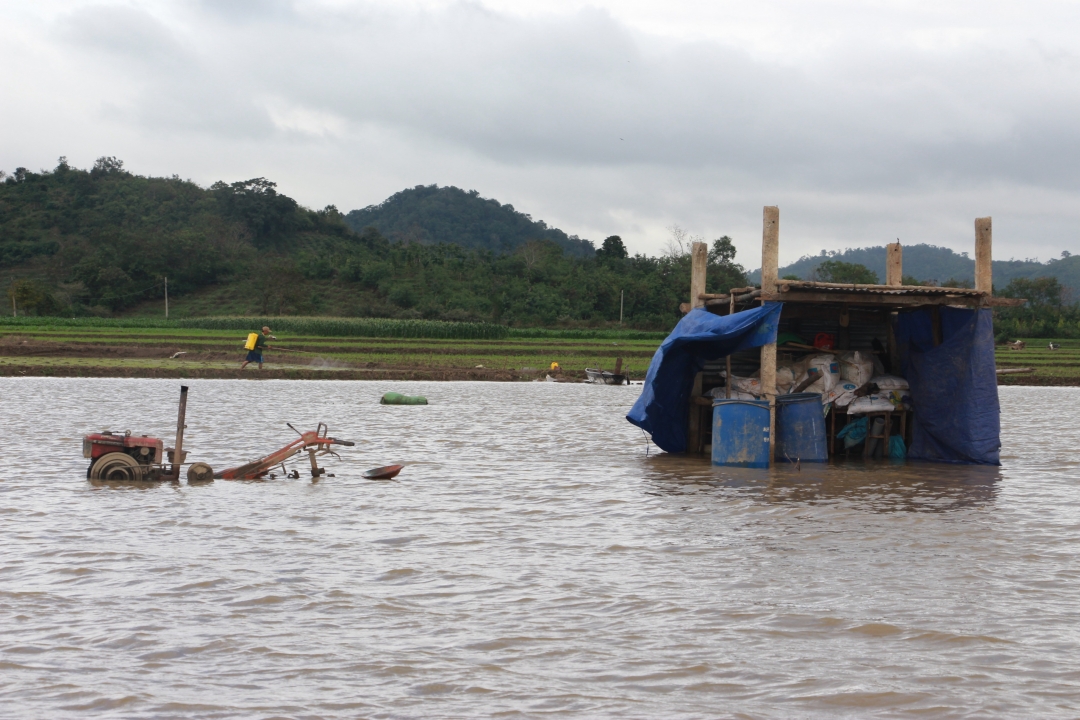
(388, 472)
(313, 442)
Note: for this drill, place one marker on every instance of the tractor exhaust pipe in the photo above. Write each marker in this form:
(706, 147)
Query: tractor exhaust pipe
(178, 447)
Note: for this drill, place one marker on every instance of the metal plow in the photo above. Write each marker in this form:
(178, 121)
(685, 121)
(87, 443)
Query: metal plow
(314, 442)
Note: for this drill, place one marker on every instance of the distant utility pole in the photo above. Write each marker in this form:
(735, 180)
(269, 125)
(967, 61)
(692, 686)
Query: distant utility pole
(622, 297)
(166, 297)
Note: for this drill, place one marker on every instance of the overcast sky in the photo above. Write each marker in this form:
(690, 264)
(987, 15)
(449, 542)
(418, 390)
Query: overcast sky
(863, 121)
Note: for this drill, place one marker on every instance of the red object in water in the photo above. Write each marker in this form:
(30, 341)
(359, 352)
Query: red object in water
(824, 341)
(147, 450)
(315, 442)
(384, 473)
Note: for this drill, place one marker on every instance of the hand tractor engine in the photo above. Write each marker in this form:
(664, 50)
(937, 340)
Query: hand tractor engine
(122, 456)
(126, 457)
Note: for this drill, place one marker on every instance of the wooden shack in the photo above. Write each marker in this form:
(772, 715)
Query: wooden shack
(853, 316)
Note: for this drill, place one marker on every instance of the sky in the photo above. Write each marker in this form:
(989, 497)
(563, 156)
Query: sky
(865, 122)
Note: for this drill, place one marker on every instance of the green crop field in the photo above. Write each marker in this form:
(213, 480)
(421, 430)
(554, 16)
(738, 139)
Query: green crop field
(1050, 365)
(59, 345)
(348, 345)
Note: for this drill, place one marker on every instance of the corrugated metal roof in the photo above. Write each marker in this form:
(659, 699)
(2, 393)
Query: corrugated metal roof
(788, 285)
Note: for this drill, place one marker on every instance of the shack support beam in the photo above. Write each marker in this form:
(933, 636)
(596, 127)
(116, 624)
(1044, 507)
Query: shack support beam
(894, 264)
(699, 258)
(984, 279)
(727, 360)
(894, 276)
(178, 446)
(770, 274)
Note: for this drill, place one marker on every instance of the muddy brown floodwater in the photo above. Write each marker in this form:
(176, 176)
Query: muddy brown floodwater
(530, 561)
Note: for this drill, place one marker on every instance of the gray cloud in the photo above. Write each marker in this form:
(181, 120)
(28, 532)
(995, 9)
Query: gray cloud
(585, 120)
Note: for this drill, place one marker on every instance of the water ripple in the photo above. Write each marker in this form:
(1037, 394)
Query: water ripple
(531, 561)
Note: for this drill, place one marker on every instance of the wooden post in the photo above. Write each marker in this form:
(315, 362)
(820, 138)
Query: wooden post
(894, 275)
(770, 249)
(178, 446)
(727, 378)
(770, 275)
(693, 428)
(166, 298)
(894, 264)
(699, 258)
(891, 346)
(984, 278)
(622, 298)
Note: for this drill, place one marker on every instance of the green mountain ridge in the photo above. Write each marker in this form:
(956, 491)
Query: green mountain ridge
(102, 242)
(430, 214)
(938, 264)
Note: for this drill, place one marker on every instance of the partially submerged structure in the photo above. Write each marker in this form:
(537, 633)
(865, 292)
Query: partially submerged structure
(935, 343)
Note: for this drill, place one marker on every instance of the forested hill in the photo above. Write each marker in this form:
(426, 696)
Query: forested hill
(430, 214)
(931, 263)
(102, 241)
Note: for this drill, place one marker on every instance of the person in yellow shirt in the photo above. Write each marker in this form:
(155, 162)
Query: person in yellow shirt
(255, 347)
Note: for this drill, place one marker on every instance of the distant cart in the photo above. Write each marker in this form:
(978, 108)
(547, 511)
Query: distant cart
(603, 377)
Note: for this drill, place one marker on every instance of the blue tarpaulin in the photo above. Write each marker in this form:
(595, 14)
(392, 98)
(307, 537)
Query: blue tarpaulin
(662, 409)
(953, 385)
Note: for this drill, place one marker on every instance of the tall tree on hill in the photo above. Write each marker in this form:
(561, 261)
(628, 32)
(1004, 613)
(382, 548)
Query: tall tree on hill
(723, 272)
(612, 249)
(258, 205)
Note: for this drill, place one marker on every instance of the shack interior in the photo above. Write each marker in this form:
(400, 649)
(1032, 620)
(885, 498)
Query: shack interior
(820, 318)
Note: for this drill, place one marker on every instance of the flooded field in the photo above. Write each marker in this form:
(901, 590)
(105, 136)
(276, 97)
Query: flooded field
(530, 561)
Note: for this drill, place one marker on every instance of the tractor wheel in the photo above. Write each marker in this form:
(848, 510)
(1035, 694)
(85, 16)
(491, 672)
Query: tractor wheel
(200, 472)
(117, 466)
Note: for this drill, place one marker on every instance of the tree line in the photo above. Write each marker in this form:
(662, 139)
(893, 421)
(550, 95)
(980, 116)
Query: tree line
(102, 241)
(1051, 311)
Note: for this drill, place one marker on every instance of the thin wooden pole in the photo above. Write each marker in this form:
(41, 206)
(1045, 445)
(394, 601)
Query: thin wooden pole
(178, 446)
(770, 249)
(699, 263)
(622, 299)
(166, 297)
(770, 276)
(984, 279)
(894, 264)
(727, 381)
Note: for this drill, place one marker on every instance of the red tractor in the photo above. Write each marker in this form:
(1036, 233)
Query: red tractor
(127, 457)
(122, 456)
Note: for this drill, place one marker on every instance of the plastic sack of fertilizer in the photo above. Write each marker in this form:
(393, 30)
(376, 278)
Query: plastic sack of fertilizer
(890, 382)
(827, 366)
(856, 367)
(841, 395)
(870, 404)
